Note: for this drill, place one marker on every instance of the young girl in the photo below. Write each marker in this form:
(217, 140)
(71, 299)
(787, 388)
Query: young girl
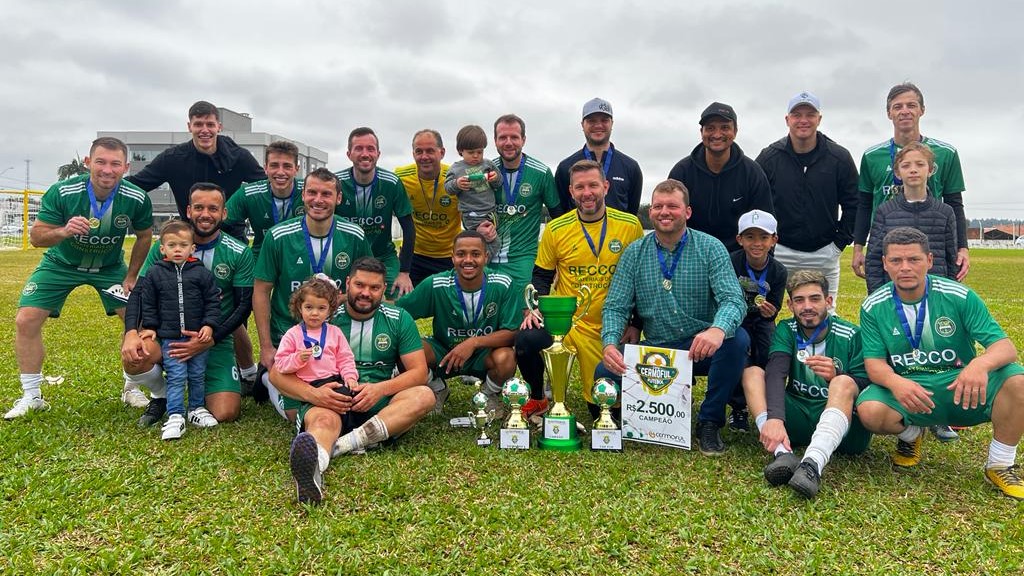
(315, 350)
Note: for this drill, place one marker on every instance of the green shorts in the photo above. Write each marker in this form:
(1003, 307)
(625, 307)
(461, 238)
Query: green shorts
(945, 412)
(221, 371)
(802, 415)
(48, 287)
(475, 366)
(520, 269)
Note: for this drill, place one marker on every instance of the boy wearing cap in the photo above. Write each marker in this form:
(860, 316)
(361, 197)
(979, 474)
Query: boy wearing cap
(763, 281)
(625, 180)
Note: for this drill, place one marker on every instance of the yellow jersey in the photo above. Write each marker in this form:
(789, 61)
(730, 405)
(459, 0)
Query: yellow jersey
(434, 212)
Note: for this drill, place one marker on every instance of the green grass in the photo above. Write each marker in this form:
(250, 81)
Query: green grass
(84, 491)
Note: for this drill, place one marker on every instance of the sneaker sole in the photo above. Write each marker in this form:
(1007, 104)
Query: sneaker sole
(712, 452)
(778, 476)
(303, 460)
(808, 492)
(1001, 491)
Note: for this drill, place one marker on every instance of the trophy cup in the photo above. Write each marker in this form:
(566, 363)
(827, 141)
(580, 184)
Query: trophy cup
(606, 434)
(559, 315)
(480, 418)
(515, 435)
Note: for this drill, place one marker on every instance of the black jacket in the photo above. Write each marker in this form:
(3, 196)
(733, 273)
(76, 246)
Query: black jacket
(625, 181)
(933, 217)
(183, 165)
(718, 200)
(153, 304)
(760, 329)
(808, 198)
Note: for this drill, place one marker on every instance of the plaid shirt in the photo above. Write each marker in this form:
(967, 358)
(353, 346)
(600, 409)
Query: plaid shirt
(704, 292)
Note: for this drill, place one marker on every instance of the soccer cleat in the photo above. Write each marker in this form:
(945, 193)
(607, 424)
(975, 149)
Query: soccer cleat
(908, 454)
(174, 428)
(306, 469)
(781, 469)
(944, 433)
(1007, 479)
(806, 480)
(738, 420)
(247, 385)
(201, 418)
(153, 413)
(535, 408)
(496, 407)
(134, 397)
(117, 292)
(23, 405)
(440, 389)
(709, 439)
(259, 391)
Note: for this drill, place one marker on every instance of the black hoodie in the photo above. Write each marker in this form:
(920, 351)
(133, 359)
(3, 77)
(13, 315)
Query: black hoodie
(718, 200)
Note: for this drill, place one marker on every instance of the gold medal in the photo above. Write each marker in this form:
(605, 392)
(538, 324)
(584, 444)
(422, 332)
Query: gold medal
(666, 284)
(94, 223)
(758, 300)
(802, 355)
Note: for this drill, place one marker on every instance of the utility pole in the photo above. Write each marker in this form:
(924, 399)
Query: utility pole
(28, 162)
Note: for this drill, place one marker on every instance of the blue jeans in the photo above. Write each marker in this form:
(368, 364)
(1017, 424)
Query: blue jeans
(723, 370)
(178, 372)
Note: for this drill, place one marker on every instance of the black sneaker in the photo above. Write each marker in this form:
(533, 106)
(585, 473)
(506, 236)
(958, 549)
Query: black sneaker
(709, 439)
(154, 412)
(806, 480)
(260, 394)
(738, 420)
(306, 469)
(781, 469)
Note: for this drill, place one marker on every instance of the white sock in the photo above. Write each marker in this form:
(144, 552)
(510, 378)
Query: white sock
(832, 427)
(490, 388)
(1000, 455)
(911, 433)
(373, 431)
(274, 396)
(760, 420)
(249, 372)
(323, 459)
(30, 384)
(153, 380)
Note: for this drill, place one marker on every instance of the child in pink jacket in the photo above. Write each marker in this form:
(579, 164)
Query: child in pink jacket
(314, 349)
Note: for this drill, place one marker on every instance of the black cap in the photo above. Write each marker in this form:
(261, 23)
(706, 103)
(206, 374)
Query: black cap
(717, 109)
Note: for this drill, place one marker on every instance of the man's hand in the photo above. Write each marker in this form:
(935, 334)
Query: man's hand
(132, 348)
(403, 285)
(858, 261)
(129, 282)
(963, 264)
(327, 397)
(631, 335)
(970, 387)
(613, 360)
(774, 433)
(767, 309)
(191, 347)
(706, 343)
(367, 396)
(454, 360)
(822, 366)
(267, 354)
(487, 230)
(912, 396)
(77, 225)
(532, 319)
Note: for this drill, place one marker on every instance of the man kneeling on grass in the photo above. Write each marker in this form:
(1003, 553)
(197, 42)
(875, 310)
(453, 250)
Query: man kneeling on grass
(821, 355)
(919, 350)
(381, 405)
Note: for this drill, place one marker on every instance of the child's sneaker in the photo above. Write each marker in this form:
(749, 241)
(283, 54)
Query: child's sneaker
(201, 418)
(174, 428)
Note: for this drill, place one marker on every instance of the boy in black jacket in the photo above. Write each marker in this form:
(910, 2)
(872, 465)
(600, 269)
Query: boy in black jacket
(763, 281)
(178, 295)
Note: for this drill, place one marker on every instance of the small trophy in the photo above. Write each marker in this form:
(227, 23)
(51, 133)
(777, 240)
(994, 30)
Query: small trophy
(559, 430)
(606, 434)
(515, 435)
(481, 418)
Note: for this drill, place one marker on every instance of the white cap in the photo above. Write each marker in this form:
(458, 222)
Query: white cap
(804, 98)
(758, 219)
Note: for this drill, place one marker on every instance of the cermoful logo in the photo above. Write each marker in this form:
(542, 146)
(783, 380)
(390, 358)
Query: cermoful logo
(656, 372)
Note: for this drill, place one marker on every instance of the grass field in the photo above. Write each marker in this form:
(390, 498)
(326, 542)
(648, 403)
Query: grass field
(84, 491)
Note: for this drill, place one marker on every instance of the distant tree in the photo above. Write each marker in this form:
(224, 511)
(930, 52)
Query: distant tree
(72, 169)
(644, 214)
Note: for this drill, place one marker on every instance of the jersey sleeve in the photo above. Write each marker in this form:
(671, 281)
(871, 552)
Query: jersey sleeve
(401, 200)
(782, 339)
(981, 326)
(953, 176)
(511, 313)
(408, 334)
(267, 267)
(418, 303)
(551, 199)
(864, 183)
(547, 256)
(51, 209)
(872, 340)
(151, 257)
(855, 363)
(244, 269)
(236, 207)
(143, 218)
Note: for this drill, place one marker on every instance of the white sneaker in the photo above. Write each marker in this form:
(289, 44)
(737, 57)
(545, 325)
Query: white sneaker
(174, 428)
(201, 418)
(134, 397)
(23, 405)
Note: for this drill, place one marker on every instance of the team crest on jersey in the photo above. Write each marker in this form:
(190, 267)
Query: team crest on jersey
(491, 310)
(838, 364)
(380, 202)
(29, 289)
(222, 271)
(382, 342)
(342, 260)
(615, 246)
(445, 201)
(525, 189)
(945, 327)
(122, 221)
(300, 210)
(656, 372)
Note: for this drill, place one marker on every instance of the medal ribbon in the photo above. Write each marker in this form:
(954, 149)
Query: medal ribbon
(367, 196)
(914, 338)
(317, 263)
(202, 249)
(802, 344)
(762, 286)
(310, 341)
(273, 204)
(511, 195)
(600, 243)
(99, 210)
(479, 303)
(605, 164)
(433, 197)
(669, 272)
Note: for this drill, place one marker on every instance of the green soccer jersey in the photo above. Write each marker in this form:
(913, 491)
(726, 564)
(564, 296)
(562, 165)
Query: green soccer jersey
(102, 246)
(842, 342)
(372, 207)
(380, 341)
(255, 203)
(289, 257)
(876, 175)
(457, 315)
(230, 261)
(531, 186)
(955, 318)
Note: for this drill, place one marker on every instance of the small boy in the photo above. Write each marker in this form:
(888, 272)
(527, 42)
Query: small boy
(178, 295)
(763, 280)
(474, 180)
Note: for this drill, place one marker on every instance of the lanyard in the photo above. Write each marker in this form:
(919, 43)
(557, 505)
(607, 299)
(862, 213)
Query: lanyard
(316, 345)
(433, 197)
(762, 286)
(288, 203)
(600, 243)
(511, 195)
(98, 210)
(914, 338)
(892, 160)
(205, 252)
(605, 164)
(317, 264)
(479, 302)
(802, 344)
(667, 273)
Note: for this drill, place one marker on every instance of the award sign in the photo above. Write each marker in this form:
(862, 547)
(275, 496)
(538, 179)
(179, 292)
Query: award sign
(605, 434)
(515, 434)
(656, 393)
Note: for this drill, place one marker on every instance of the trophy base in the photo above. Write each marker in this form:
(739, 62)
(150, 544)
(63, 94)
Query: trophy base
(484, 442)
(606, 440)
(514, 439)
(560, 434)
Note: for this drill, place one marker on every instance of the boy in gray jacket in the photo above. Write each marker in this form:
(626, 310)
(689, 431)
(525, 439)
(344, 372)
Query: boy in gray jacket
(474, 180)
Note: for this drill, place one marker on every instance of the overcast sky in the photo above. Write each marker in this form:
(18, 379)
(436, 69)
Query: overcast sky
(313, 70)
